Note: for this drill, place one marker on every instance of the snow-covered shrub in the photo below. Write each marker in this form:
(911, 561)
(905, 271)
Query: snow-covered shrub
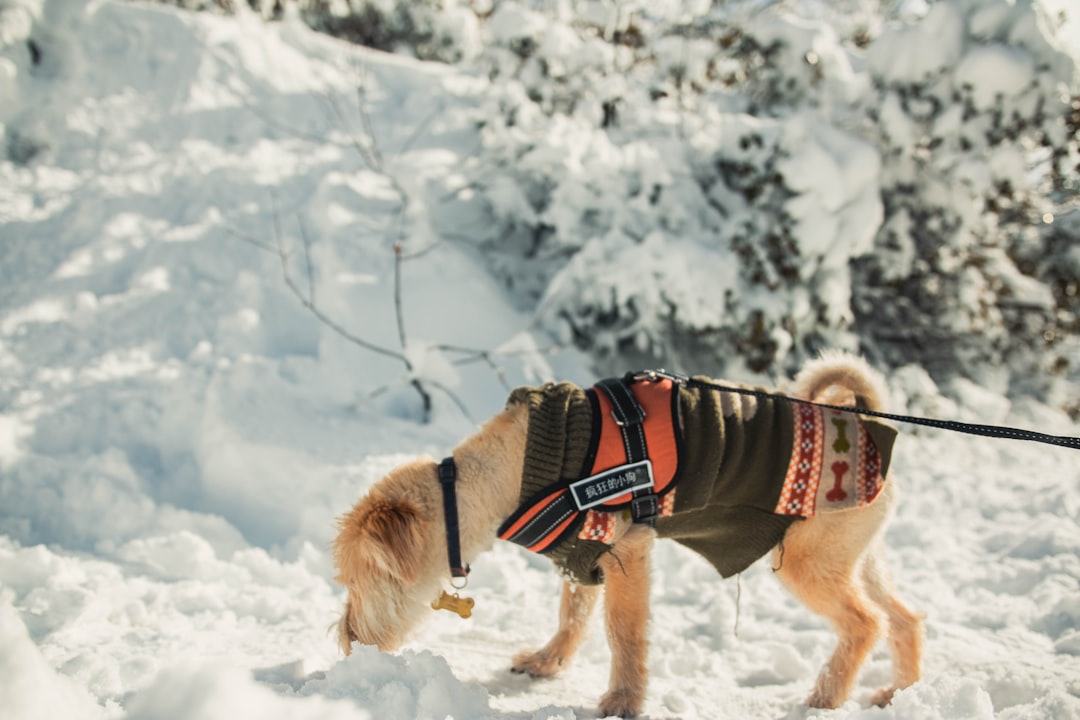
(267, 8)
(971, 113)
(732, 186)
(721, 243)
(24, 49)
(688, 211)
(442, 30)
(886, 182)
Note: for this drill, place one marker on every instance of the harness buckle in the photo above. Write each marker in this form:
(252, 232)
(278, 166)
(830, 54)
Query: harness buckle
(637, 419)
(659, 374)
(645, 509)
(447, 471)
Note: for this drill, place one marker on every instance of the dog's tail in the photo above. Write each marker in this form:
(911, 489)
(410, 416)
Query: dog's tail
(840, 378)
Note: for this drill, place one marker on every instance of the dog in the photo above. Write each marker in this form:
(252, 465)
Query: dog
(392, 548)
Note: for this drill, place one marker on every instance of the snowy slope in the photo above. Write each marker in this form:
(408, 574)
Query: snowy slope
(177, 431)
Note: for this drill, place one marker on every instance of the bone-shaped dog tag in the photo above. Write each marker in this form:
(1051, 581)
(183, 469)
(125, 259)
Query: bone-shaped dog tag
(454, 603)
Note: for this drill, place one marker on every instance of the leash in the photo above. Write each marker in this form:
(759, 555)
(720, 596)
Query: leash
(992, 431)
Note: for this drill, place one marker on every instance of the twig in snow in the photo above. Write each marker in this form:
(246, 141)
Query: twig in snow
(399, 315)
(307, 257)
(306, 301)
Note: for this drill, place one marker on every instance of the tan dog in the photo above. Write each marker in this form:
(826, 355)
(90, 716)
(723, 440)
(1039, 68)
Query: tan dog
(391, 555)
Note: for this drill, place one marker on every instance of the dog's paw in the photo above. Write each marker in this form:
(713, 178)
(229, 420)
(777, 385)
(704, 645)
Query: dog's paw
(538, 663)
(624, 703)
(821, 698)
(883, 696)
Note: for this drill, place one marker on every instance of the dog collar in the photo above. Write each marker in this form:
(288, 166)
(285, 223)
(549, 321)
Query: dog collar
(448, 480)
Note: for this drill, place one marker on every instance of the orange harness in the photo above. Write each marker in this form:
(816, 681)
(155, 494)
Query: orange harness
(632, 463)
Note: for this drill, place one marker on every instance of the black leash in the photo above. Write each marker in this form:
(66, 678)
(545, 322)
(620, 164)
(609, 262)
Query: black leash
(993, 431)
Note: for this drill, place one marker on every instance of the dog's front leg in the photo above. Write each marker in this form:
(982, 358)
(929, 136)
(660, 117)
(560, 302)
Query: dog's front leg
(626, 605)
(574, 610)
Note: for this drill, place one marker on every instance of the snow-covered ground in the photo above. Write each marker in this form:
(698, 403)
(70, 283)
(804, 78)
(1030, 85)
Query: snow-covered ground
(178, 432)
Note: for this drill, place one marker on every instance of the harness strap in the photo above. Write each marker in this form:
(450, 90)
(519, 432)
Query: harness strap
(629, 416)
(448, 480)
(543, 523)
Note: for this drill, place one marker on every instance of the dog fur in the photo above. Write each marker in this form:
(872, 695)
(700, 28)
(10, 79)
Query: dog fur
(390, 553)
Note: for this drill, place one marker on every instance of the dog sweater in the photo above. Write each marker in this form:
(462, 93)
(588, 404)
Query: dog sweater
(747, 468)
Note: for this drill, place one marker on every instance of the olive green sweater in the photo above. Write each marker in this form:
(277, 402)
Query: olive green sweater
(736, 451)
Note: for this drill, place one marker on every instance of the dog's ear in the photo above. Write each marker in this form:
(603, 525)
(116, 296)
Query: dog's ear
(379, 535)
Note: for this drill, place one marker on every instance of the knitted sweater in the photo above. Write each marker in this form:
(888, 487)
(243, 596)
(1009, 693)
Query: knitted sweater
(738, 488)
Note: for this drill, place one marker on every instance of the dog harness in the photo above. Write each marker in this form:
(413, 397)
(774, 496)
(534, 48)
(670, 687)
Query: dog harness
(721, 473)
(632, 463)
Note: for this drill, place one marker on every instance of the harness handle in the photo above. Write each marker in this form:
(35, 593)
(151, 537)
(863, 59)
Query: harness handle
(629, 415)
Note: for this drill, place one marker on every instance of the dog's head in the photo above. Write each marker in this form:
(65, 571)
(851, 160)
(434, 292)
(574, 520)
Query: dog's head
(382, 559)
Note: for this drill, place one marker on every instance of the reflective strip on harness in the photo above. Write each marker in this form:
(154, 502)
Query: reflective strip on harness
(617, 469)
(539, 521)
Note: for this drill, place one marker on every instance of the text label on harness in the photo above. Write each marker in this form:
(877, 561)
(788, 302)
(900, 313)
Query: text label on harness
(609, 484)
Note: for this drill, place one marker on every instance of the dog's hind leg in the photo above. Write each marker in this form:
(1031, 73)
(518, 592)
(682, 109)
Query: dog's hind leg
(575, 608)
(905, 627)
(821, 567)
(626, 616)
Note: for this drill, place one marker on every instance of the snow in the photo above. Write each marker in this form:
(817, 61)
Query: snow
(32, 688)
(995, 71)
(178, 432)
(511, 22)
(920, 51)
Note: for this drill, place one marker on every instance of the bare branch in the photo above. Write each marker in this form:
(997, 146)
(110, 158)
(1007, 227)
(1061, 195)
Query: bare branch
(250, 240)
(365, 154)
(273, 122)
(421, 252)
(330, 322)
(421, 128)
(457, 401)
(425, 396)
(307, 257)
(365, 118)
(367, 147)
(488, 357)
(308, 301)
(398, 313)
(474, 355)
(497, 369)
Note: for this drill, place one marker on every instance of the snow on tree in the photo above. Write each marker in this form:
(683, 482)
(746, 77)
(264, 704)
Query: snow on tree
(730, 187)
(973, 113)
(744, 189)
